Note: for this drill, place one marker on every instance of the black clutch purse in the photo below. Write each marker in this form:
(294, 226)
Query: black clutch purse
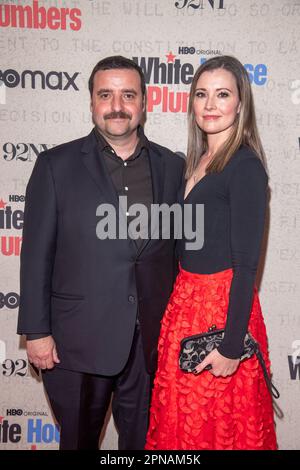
(194, 349)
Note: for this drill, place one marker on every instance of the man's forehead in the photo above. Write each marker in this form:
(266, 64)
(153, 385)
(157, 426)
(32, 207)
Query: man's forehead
(117, 79)
(118, 73)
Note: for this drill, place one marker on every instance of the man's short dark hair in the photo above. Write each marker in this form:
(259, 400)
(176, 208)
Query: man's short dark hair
(117, 62)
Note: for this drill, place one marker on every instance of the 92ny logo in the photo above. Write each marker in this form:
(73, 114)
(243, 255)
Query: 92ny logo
(15, 368)
(22, 151)
(200, 4)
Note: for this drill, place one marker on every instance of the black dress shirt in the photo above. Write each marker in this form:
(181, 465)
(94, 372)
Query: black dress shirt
(130, 177)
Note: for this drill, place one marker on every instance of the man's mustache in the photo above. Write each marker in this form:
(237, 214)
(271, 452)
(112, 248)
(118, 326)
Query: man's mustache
(117, 115)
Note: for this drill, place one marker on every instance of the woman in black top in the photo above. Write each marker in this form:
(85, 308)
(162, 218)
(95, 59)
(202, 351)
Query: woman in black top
(229, 405)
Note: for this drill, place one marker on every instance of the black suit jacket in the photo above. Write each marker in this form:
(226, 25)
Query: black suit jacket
(86, 292)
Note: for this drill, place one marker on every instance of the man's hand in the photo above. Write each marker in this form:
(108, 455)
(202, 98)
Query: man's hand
(42, 352)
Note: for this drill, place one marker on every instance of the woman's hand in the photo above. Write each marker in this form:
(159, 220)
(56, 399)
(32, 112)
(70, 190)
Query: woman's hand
(220, 366)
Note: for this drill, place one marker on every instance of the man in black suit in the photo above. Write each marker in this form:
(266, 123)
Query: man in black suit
(91, 307)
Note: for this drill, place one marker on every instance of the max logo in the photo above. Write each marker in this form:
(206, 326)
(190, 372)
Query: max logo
(29, 78)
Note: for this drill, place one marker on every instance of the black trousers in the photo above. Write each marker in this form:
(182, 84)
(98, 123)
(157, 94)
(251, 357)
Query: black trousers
(80, 401)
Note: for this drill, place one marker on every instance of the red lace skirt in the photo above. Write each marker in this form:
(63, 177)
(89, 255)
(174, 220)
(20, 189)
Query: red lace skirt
(195, 412)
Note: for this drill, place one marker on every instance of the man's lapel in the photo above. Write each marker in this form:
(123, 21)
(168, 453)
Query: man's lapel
(98, 171)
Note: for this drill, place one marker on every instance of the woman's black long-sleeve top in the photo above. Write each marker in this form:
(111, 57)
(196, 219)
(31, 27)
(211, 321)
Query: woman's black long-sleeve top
(234, 215)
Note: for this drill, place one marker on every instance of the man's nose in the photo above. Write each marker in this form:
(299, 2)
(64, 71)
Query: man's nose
(117, 103)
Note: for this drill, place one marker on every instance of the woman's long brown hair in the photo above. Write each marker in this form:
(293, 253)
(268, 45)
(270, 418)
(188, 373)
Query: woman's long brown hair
(244, 129)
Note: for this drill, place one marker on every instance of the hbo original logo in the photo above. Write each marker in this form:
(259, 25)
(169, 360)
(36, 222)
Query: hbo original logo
(186, 50)
(14, 412)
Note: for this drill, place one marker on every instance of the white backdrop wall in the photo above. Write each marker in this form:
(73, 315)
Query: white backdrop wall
(63, 40)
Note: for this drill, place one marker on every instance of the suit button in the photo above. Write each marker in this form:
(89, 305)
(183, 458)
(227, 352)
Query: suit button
(131, 299)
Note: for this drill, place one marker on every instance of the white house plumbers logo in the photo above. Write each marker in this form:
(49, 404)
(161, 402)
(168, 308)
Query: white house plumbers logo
(162, 74)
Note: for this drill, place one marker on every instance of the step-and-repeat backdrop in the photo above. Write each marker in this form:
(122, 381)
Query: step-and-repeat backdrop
(47, 50)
